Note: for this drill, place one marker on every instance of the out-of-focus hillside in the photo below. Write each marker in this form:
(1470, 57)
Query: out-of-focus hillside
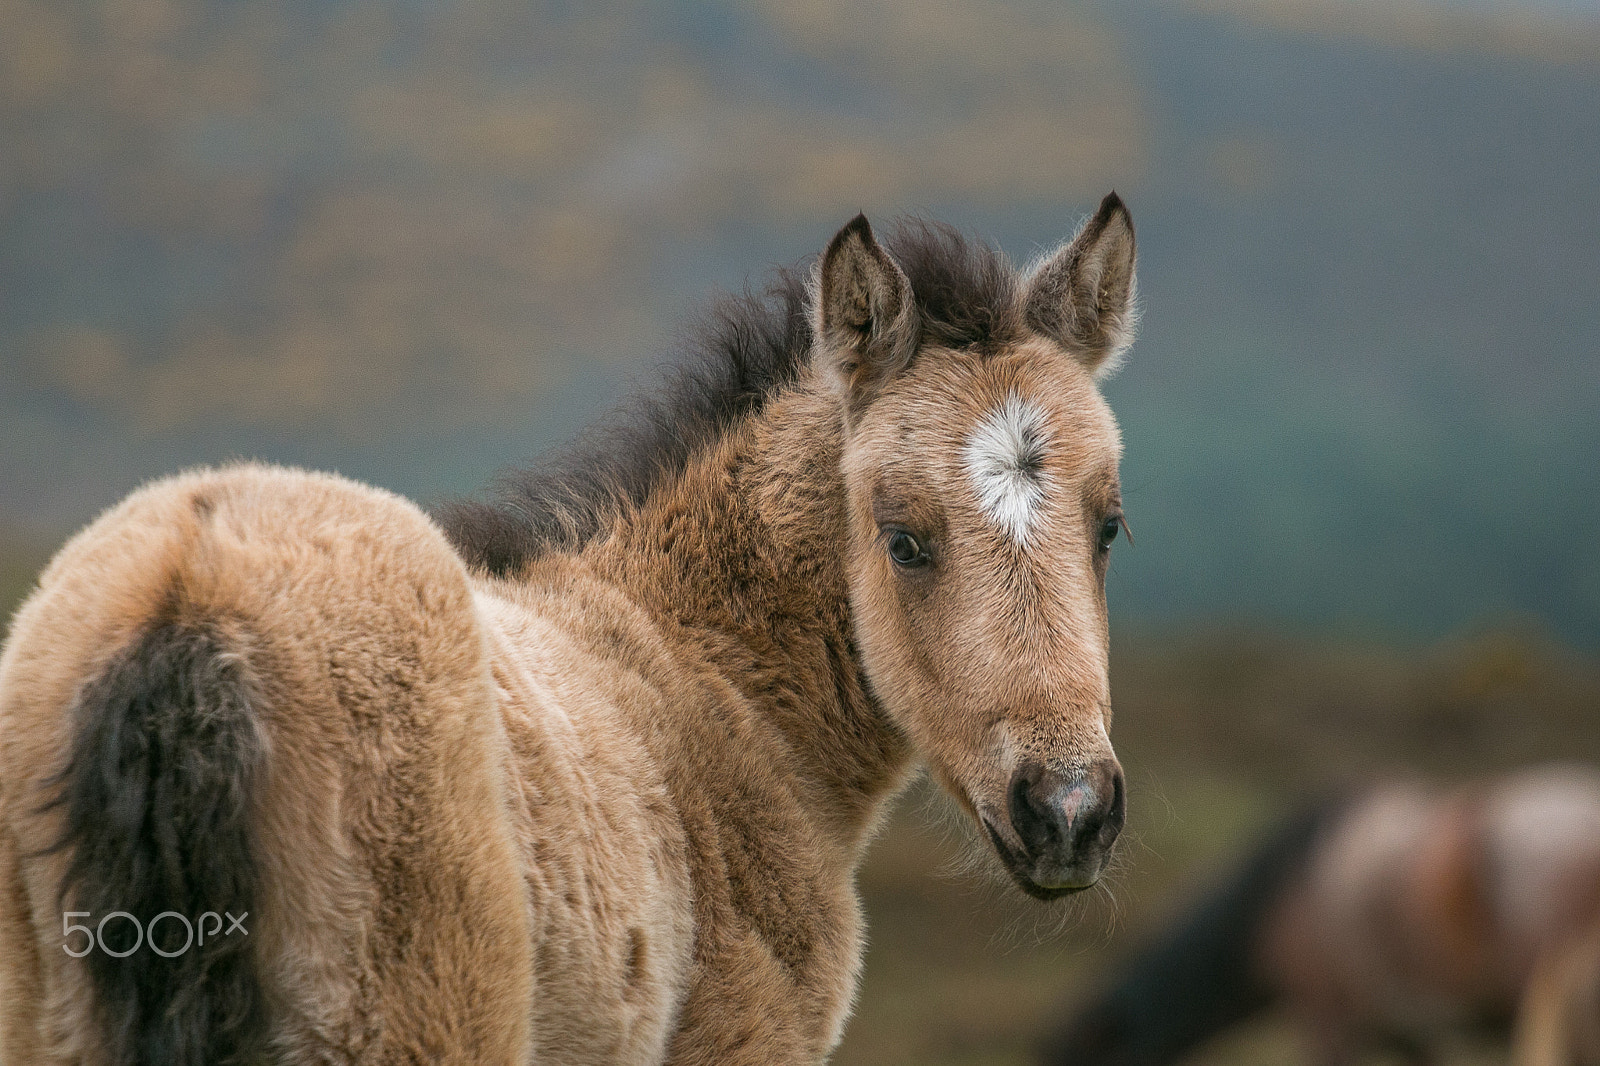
(1221, 734)
(334, 218)
(415, 242)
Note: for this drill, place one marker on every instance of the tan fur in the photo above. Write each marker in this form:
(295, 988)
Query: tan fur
(608, 809)
(386, 800)
(1042, 611)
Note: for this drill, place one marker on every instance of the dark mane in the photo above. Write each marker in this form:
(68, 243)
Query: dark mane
(747, 348)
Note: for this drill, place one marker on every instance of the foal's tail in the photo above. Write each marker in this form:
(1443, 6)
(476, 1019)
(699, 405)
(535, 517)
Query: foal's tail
(1201, 975)
(155, 799)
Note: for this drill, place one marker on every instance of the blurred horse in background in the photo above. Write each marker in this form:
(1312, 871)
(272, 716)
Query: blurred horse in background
(1397, 917)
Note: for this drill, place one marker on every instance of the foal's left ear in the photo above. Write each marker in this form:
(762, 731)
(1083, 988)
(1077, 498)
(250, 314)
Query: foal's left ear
(865, 318)
(1083, 295)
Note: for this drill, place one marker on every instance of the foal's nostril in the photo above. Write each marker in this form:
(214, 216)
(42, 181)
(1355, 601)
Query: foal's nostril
(1118, 812)
(1030, 810)
(1101, 826)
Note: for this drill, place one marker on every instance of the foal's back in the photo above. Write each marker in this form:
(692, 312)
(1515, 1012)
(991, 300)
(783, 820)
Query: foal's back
(347, 806)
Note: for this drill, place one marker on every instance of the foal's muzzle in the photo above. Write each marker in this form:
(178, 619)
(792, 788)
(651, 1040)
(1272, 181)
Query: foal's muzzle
(1066, 823)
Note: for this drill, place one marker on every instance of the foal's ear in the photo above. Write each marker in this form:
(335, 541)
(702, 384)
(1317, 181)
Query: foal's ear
(1083, 295)
(864, 316)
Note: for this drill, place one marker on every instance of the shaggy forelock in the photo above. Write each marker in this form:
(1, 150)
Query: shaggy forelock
(744, 350)
(965, 292)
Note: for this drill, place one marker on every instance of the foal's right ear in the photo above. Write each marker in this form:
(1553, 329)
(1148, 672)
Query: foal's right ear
(1083, 295)
(865, 320)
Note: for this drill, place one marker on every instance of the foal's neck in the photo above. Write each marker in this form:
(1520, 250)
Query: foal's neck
(749, 549)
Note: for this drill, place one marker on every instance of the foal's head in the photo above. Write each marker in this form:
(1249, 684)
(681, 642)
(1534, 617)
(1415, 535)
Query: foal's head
(981, 466)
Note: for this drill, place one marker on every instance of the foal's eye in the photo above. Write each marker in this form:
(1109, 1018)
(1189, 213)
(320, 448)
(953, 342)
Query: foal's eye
(1108, 529)
(906, 549)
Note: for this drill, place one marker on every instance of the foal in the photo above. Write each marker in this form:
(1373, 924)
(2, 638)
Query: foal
(581, 775)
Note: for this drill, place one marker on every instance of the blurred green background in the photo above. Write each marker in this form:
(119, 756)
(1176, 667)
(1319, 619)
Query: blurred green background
(414, 241)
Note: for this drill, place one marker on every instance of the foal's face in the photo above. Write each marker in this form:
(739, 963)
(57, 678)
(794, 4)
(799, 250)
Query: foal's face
(984, 503)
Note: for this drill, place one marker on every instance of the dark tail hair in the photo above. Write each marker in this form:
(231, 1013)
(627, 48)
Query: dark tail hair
(156, 795)
(1200, 976)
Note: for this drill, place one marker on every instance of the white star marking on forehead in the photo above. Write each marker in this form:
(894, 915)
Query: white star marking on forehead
(1004, 456)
